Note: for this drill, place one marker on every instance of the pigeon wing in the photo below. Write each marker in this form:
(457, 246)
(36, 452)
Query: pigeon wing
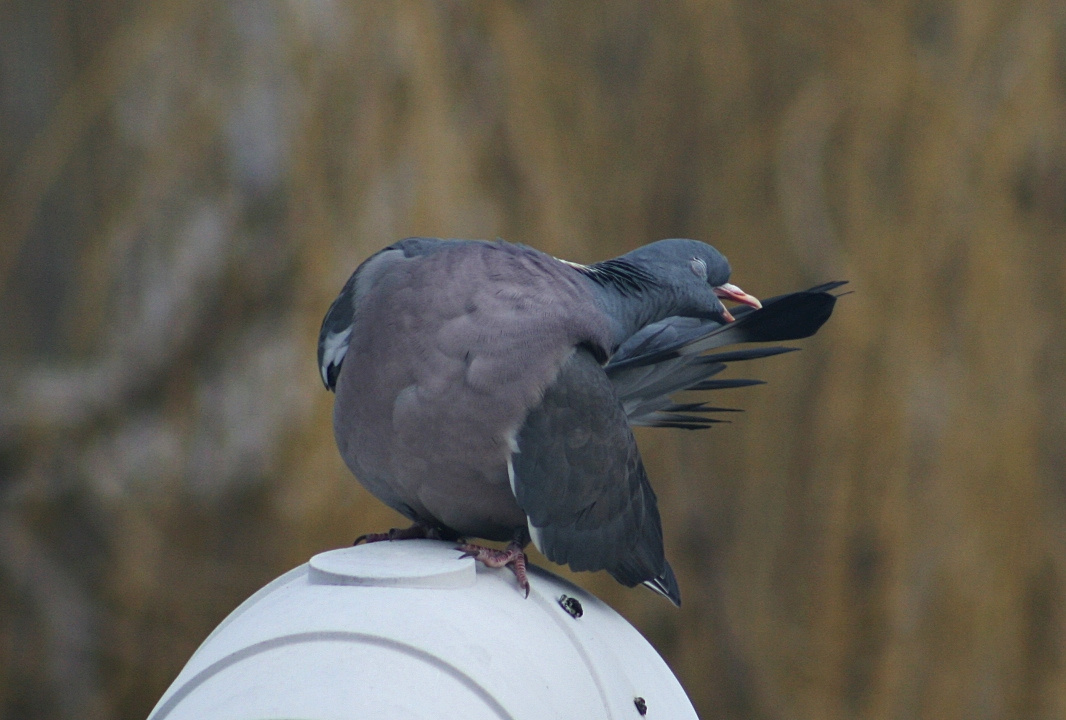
(578, 476)
(665, 357)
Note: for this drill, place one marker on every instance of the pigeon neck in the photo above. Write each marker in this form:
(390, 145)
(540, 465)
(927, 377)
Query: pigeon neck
(629, 313)
(632, 297)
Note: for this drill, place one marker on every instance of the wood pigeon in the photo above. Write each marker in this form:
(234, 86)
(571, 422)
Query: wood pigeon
(488, 390)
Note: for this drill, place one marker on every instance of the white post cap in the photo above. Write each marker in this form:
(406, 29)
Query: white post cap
(409, 629)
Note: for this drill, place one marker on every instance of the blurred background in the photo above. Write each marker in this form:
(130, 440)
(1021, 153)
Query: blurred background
(186, 184)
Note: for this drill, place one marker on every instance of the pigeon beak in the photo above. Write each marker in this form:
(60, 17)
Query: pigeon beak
(735, 294)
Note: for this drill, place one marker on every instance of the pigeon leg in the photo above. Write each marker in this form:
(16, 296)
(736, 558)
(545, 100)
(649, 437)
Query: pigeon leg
(513, 557)
(416, 531)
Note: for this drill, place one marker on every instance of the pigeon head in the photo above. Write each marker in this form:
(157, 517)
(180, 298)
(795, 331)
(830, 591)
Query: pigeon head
(694, 275)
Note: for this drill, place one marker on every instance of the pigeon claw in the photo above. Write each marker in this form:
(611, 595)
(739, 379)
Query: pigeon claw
(513, 557)
(415, 532)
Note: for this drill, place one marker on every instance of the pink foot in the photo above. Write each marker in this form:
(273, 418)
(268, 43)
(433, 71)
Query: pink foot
(513, 557)
(416, 531)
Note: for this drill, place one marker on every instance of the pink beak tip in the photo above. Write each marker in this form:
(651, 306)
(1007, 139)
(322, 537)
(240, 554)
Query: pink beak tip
(735, 294)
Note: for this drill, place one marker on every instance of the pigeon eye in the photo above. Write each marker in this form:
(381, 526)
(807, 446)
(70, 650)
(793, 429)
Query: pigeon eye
(698, 268)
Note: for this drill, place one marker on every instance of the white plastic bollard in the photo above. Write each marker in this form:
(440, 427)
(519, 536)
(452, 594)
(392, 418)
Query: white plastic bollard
(408, 629)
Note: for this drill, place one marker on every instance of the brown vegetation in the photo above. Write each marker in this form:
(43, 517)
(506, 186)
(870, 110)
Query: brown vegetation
(184, 186)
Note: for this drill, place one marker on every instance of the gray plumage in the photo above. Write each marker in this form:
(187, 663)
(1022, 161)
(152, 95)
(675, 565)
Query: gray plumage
(487, 389)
